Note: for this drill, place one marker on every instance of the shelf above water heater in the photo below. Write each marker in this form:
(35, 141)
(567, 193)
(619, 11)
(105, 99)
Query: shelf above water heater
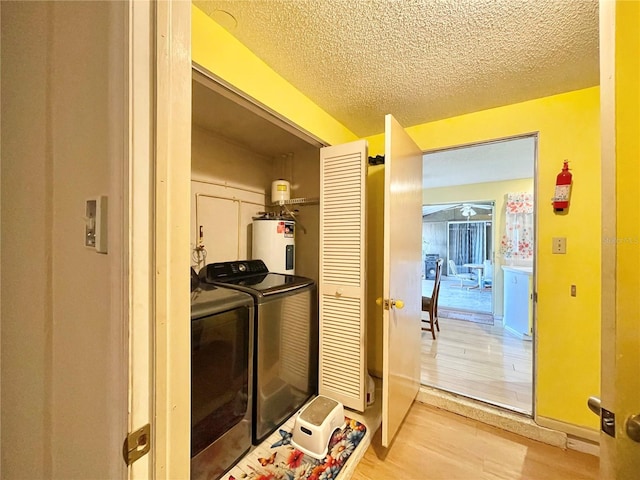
(297, 201)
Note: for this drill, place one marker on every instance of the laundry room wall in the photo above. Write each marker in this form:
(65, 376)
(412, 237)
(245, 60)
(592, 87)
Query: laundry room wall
(231, 184)
(302, 169)
(228, 184)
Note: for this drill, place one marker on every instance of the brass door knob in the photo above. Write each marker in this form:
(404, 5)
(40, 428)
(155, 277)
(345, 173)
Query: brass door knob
(399, 304)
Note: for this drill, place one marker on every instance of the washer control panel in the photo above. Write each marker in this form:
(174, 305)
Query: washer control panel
(235, 269)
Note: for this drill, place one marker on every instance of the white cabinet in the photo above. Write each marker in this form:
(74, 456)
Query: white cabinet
(518, 300)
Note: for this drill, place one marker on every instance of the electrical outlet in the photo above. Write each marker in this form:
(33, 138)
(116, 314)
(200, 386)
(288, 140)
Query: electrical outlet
(573, 290)
(559, 245)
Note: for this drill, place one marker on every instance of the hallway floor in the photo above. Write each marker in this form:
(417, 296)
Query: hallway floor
(479, 361)
(434, 444)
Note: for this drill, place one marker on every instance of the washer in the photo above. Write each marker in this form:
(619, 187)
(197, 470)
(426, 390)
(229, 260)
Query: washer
(286, 338)
(221, 379)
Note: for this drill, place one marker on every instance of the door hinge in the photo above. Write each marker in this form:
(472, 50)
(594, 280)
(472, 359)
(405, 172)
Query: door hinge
(137, 444)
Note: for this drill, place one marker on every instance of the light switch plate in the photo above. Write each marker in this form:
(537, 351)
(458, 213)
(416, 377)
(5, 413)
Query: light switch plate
(90, 224)
(559, 245)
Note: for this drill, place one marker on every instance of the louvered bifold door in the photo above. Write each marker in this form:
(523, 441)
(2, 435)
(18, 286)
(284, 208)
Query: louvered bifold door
(342, 369)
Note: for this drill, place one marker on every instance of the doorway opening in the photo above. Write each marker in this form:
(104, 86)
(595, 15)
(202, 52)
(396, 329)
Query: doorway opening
(484, 349)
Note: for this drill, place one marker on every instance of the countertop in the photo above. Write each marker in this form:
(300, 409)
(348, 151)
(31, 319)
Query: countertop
(518, 269)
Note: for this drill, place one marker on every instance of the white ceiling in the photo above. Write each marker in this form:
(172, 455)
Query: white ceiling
(487, 162)
(420, 60)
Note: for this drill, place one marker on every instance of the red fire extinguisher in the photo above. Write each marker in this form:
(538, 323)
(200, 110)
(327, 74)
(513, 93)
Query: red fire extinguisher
(563, 189)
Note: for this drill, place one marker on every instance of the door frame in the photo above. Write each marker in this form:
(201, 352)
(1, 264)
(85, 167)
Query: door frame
(156, 197)
(171, 174)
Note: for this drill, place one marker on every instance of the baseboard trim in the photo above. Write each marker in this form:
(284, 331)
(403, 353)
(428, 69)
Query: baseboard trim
(581, 433)
(584, 446)
(497, 417)
(521, 336)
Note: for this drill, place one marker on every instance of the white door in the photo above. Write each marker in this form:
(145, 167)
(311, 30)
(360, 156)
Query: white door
(401, 277)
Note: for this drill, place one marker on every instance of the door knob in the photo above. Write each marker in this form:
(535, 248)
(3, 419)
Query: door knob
(633, 427)
(389, 304)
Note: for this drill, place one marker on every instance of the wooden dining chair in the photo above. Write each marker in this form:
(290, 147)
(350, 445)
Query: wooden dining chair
(430, 304)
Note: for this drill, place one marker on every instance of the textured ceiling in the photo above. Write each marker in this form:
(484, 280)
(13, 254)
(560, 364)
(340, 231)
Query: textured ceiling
(486, 162)
(420, 60)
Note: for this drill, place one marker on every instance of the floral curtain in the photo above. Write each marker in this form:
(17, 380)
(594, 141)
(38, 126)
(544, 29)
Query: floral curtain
(517, 240)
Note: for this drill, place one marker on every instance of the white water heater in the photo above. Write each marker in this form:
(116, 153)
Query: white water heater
(274, 243)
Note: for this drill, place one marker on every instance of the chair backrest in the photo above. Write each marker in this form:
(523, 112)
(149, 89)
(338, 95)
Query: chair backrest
(436, 283)
(436, 290)
(452, 267)
(488, 270)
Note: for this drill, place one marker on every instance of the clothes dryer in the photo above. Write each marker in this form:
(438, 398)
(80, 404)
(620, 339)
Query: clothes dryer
(221, 379)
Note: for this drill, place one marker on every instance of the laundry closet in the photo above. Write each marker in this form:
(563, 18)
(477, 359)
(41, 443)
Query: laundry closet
(238, 151)
(254, 259)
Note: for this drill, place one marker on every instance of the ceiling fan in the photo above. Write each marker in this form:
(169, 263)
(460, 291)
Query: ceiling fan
(469, 209)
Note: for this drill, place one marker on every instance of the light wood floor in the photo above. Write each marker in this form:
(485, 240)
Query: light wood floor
(435, 444)
(481, 362)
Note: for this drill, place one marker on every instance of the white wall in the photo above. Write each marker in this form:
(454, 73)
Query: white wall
(63, 370)
(304, 168)
(26, 249)
(216, 160)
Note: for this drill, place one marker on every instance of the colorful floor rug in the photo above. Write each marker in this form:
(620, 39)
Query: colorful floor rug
(277, 459)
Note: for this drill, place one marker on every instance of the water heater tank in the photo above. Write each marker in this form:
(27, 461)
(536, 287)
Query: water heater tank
(274, 243)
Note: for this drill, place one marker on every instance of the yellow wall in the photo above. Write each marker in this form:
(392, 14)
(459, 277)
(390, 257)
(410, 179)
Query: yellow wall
(221, 54)
(568, 328)
(375, 253)
(477, 192)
